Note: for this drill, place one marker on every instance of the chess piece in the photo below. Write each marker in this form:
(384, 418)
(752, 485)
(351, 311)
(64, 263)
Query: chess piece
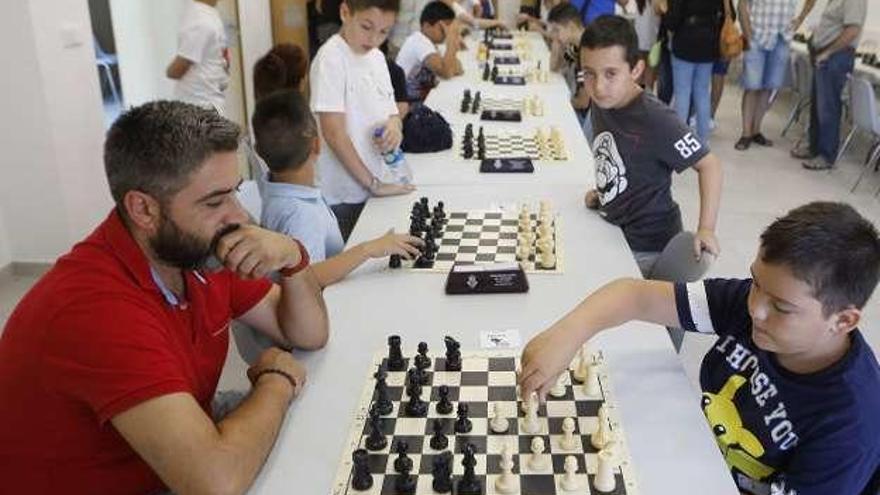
(568, 440)
(416, 407)
(592, 387)
(361, 478)
(605, 482)
(394, 261)
(442, 472)
(453, 355)
(463, 424)
(547, 260)
(499, 423)
(537, 461)
(438, 440)
(376, 440)
(422, 361)
(580, 371)
(507, 482)
(531, 424)
(603, 434)
(468, 484)
(444, 406)
(478, 100)
(486, 72)
(395, 356)
(383, 403)
(405, 483)
(558, 389)
(570, 481)
(403, 462)
(494, 75)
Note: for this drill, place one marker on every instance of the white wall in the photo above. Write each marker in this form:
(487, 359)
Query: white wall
(5, 253)
(53, 190)
(255, 24)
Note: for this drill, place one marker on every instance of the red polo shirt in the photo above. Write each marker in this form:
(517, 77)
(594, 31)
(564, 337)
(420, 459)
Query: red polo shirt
(93, 338)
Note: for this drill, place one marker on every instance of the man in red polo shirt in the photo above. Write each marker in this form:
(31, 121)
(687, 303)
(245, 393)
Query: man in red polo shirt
(109, 365)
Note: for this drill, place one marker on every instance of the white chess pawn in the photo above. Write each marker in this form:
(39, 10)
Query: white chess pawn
(592, 388)
(507, 482)
(580, 371)
(558, 389)
(544, 244)
(531, 424)
(537, 461)
(499, 423)
(544, 206)
(545, 229)
(539, 105)
(604, 482)
(568, 440)
(571, 482)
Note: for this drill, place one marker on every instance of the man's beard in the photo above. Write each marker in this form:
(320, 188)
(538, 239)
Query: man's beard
(184, 250)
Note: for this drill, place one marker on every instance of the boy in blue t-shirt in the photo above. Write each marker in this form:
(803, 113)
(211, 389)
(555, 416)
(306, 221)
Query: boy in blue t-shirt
(287, 140)
(791, 389)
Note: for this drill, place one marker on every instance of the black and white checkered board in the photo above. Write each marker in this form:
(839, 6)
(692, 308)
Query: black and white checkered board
(486, 377)
(487, 236)
(508, 144)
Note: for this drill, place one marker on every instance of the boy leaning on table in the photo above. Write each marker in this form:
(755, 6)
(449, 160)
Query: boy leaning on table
(791, 389)
(352, 95)
(638, 142)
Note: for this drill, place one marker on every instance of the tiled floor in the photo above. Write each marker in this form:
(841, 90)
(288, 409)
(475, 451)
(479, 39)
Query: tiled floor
(760, 184)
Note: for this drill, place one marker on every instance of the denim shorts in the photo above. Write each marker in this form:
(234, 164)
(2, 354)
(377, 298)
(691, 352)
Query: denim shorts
(765, 69)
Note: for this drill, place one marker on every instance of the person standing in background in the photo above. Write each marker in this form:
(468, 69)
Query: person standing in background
(647, 24)
(201, 66)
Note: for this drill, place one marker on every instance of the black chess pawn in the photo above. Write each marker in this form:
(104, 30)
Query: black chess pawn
(467, 151)
(487, 72)
(463, 424)
(376, 440)
(478, 100)
(405, 483)
(383, 403)
(468, 484)
(442, 473)
(438, 440)
(422, 361)
(494, 75)
(361, 478)
(395, 356)
(444, 406)
(403, 462)
(453, 354)
(394, 261)
(416, 407)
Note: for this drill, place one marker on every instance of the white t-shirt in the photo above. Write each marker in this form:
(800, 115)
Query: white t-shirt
(647, 25)
(413, 53)
(360, 87)
(201, 39)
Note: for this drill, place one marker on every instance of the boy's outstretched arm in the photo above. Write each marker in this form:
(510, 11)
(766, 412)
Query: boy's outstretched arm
(709, 170)
(618, 302)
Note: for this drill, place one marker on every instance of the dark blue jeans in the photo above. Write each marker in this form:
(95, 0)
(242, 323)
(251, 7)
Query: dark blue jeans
(829, 79)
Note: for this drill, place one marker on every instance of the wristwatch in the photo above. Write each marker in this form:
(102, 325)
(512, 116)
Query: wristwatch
(289, 271)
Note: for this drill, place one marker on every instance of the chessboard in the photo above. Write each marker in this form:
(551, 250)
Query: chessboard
(496, 443)
(484, 237)
(487, 105)
(493, 144)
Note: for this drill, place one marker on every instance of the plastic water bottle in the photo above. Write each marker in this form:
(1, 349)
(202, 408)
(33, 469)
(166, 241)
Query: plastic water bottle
(396, 162)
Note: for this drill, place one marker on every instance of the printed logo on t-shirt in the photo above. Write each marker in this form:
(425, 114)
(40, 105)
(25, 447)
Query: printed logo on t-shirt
(687, 145)
(611, 179)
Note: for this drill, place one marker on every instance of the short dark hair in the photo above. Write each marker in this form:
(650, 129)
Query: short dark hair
(831, 247)
(284, 129)
(611, 30)
(155, 147)
(564, 13)
(383, 5)
(282, 67)
(435, 12)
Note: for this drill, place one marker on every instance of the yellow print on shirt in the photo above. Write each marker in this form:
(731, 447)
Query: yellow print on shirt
(740, 447)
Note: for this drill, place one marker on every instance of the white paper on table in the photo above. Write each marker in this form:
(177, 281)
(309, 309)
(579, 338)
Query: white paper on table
(500, 339)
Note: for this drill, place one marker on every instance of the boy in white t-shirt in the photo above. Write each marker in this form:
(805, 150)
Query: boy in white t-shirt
(351, 94)
(419, 58)
(201, 66)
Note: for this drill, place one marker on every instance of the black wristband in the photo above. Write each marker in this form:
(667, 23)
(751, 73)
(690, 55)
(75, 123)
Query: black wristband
(277, 371)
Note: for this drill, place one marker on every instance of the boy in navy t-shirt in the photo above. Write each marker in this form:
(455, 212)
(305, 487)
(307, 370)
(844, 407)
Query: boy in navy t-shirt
(791, 389)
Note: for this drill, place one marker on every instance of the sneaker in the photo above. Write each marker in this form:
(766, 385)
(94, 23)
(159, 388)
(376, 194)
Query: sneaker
(743, 143)
(759, 139)
(818, 163)
(803, 152)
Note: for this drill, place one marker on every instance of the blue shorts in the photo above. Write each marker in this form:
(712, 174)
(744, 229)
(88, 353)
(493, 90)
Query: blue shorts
(765, 69)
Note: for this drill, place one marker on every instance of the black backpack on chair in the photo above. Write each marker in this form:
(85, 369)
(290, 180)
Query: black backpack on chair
(425, 131)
